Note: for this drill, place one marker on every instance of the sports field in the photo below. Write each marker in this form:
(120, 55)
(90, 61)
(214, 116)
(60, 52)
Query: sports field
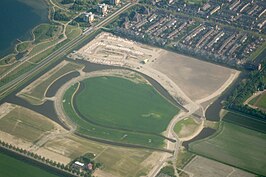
(119, 110)
(11, 167)
(236, 146)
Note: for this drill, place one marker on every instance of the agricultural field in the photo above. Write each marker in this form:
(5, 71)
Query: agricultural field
(186, 127)
(35, 92)
(100, 93)
(245, 121)
(12, 167)
(25, 129)
(236, 146)
(117, 161)
(201, 166)
(23, 123)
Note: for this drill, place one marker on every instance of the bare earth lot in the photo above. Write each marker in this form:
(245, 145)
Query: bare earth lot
(198, 79)
(186, 78)
(201, 166)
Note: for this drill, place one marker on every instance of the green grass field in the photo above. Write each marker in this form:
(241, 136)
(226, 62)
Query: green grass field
(245, 121)
(116, 134)
(185, 127)
(120, 103)
(45, 31)
(235, 145)
(12, 167)
(261, 101)
(254, 100)
(88, 129)
(72, 32)
(22, 47)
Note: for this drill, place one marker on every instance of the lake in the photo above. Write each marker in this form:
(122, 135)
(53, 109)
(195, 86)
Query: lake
(17, 19)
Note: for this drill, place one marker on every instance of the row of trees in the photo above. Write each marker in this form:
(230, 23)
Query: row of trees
(53, 164)
(255, 81)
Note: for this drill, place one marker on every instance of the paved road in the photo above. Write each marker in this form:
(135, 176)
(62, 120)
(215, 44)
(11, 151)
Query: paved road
(60, 52)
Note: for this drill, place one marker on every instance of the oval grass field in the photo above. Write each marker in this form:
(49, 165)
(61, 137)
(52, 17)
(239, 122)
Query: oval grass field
(119, 110)
(121, 103)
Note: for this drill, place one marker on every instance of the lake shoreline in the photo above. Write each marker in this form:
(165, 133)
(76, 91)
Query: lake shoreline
(41, 14)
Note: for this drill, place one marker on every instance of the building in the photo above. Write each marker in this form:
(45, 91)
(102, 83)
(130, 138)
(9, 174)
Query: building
(170, 1)
(88, 17)
(90, 166)
(145, 61)
(114, 2)
(215, 10)
(102, 8)
(79, 164)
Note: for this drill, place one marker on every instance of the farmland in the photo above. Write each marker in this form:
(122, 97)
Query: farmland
(128, 130)
(118, 161)
(23, 123)
(245, 121)
(201, 166)
(20, 168)
(236, 146)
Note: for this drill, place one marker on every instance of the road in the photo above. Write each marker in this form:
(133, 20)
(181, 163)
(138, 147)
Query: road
(60, 52)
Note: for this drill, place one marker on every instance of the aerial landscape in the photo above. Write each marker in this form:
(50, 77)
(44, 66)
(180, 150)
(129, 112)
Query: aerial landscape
(133, 88)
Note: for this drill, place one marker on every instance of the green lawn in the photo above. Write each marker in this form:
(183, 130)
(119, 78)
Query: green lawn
(120, 103)
(72, 32)
(262, 101)
(23, 46)
(235, 145)
(116, 134)
(185, 127)
(45, 31)
(12, 167)
(254, 100)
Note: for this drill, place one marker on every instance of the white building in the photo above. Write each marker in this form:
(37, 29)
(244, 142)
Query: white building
(102, 8)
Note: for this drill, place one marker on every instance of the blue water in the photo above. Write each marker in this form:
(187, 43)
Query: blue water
(17, 18)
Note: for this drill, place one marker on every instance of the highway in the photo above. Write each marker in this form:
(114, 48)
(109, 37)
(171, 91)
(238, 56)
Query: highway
(65, 49)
